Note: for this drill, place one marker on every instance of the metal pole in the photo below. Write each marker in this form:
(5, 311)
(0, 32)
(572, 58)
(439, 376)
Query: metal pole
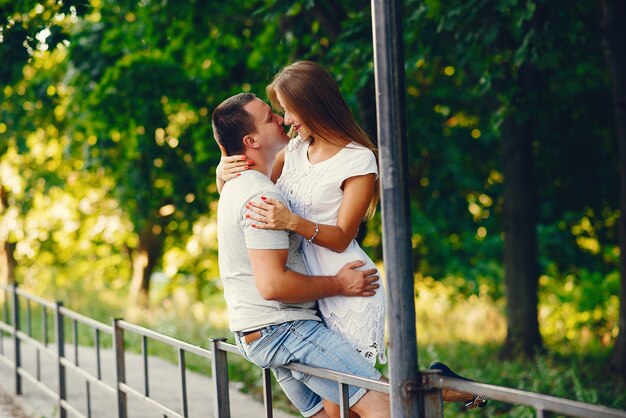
(60, 329)
(267, 394)
(404, 376)
(183, 381)
(16, 341)
(120, 369)
(344, 401)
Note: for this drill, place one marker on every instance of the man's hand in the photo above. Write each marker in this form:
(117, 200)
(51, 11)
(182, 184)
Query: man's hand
(353, 282)
(275, 282)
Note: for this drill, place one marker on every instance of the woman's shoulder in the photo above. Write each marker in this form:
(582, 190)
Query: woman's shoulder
(357, 160)
(358, 150)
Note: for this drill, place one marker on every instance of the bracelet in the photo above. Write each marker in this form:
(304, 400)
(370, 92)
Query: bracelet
(317, 229)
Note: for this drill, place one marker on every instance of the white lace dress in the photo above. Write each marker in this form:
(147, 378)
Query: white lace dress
(314, 193)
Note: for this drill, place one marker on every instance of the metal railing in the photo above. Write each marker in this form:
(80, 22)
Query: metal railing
(12, 331)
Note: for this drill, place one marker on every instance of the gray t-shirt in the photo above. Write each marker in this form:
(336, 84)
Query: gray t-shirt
(247, 309)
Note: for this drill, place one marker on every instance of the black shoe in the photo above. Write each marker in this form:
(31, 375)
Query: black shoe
(476, 401)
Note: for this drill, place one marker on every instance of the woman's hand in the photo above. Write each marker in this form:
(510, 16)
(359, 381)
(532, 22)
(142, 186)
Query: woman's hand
(231, 167)
(271, 214)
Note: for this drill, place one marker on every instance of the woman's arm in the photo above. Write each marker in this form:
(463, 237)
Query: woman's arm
(229, 168)
(357, 195)
(232, 166)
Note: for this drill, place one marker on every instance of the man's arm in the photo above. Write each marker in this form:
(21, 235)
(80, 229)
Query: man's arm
(275, 282)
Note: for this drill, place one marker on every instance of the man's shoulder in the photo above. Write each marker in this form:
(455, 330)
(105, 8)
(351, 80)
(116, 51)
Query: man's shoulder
(249, 185)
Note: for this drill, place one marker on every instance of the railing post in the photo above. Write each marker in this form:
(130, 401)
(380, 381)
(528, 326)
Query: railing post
(344, 401)
(433, 396)
(219, 364)
(60, 337)
(5, 314)
(16, 341)
(267, 393)
(183, 381)
(120, 368)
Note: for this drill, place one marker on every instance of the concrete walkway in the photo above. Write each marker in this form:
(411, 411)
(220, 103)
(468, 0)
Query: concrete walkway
(164, 383)
(9, 407)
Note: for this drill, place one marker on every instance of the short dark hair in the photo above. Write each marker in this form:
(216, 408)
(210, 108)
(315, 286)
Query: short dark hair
(231, 122)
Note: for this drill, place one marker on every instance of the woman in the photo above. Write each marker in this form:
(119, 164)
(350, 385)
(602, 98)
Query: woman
(329, 176)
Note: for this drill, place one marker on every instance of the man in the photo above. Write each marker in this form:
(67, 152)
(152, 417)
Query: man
(271, 302)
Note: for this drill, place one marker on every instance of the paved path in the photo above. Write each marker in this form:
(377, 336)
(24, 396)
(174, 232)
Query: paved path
(164, 386)
(9, 407)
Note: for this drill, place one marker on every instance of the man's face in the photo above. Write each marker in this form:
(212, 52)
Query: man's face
(269, 126)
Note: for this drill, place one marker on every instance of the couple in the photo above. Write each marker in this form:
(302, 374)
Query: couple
(327, 175)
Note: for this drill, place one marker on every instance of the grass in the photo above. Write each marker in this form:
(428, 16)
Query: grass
(585, 378)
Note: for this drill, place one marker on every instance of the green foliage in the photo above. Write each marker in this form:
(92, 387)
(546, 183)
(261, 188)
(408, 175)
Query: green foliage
(575, 312)
(144, 137)
(462, 72)
(27, 26)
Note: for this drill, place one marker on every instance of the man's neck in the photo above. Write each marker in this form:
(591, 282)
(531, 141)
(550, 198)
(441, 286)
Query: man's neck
(262, 163)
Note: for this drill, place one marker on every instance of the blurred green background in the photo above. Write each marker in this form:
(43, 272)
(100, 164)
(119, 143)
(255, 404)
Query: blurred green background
(107, 168)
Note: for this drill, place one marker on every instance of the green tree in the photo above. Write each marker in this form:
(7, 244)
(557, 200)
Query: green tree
(132, 126)
(144, 137)
(515, 90)
(26, 27)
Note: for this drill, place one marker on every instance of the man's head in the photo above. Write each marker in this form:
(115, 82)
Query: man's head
(243, 122)
(231, 122)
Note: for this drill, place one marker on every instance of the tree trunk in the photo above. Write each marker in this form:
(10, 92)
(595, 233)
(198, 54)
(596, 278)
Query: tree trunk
(7, 249)
(7, 263)
(614, 16)
(144, 259)
(520, 246)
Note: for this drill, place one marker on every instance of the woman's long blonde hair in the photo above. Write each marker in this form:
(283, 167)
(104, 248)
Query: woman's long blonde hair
(311, 93)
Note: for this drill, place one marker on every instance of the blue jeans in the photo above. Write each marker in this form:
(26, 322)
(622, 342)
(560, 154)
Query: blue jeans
(312, 344)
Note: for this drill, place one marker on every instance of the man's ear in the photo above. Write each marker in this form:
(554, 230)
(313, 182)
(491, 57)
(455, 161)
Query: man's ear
(250, 142)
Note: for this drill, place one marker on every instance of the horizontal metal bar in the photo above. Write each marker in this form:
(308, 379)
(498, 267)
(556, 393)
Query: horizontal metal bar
(224, 346)
(36, 344)
(130, 391)
(70, 408)
(32, 379)
(86, 321)
(532, 399)
(6, 328)
(202, 352)
(338, 377)
(34, 298)
(7, 361)
(86, 375)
